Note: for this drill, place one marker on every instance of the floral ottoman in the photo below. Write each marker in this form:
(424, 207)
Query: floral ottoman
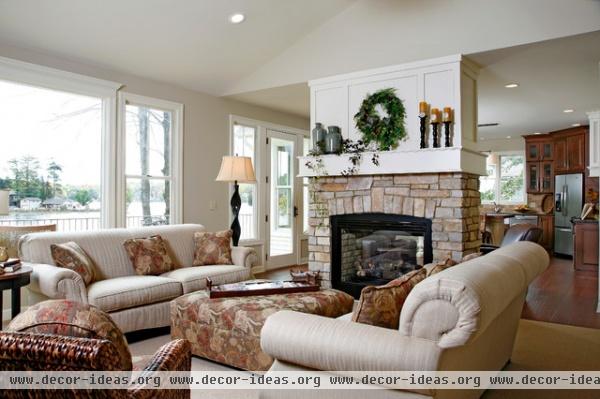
(227, 330)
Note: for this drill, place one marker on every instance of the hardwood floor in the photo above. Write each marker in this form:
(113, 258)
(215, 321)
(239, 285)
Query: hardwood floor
(564, 296)
(559, 295)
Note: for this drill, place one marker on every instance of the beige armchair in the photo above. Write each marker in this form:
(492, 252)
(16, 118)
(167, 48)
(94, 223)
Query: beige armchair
(464, 318)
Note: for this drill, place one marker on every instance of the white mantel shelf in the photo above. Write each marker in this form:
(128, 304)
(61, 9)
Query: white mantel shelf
(428, 160)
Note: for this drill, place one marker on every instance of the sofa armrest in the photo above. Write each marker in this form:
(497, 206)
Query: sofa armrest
(244, 256)
(57, 283)
(327, 344)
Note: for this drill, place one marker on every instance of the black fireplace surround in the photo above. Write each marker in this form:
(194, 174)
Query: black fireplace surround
(375, 248)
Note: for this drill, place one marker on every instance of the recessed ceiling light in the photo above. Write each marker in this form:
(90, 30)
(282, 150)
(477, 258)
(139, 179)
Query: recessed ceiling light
(511, 85)
(568, 110)
(537, 133)
(237, 18)
(576, 124)
(509, 137)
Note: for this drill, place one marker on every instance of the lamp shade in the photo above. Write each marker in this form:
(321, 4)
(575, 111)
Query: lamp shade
(4, 202)
(236, 169)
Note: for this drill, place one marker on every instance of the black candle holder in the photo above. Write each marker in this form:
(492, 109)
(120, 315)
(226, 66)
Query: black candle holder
(436, 143)
(423, 128)
(447, 133)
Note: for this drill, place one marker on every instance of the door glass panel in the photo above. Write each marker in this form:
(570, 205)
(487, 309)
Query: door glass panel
(533, 151)
(282, 197)
(547, 150)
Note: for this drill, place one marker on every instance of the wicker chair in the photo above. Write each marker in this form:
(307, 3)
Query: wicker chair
(27, 345)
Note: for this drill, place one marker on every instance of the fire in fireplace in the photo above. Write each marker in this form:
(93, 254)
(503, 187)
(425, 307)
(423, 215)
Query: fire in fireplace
(375, 248)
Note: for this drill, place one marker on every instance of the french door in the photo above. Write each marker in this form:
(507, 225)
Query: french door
(282, 204)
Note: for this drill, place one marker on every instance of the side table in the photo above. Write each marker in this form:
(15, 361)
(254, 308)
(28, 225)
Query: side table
(14, 281)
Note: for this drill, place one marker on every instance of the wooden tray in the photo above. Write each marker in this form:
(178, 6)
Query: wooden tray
(258, 288)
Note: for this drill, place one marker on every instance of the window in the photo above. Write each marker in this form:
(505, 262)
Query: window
(51, 160)
(151, 157)
(504, 182)
(244, 144)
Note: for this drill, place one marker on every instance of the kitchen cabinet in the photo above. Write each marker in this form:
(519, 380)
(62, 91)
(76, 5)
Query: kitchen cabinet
(546, 223)
(585, 245)
(569, 151)
(539, 149)
(540, 177)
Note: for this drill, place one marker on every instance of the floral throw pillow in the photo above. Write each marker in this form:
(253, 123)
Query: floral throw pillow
(435, 268)
(149, 256)
(381, 306)
(71, 256)
(212, 248)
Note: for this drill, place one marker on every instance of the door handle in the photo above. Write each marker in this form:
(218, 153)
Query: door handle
(295, 211)
(564, 199)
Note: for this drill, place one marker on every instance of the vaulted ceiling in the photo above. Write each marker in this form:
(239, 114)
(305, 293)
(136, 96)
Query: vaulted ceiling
(190, 43)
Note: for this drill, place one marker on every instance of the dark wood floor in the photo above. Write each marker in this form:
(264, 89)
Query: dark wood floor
(564, 296)
(559, 295)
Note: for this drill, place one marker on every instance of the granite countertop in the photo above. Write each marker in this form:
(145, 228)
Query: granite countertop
(580, 221)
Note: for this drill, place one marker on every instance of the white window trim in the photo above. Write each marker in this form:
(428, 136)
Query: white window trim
(176, 215)
(54, 79)
(497, 178)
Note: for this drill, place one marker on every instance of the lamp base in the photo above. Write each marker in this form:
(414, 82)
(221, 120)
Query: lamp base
(236, 204)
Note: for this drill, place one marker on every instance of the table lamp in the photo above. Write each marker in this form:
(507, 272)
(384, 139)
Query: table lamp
(237, 170)
(4, 195)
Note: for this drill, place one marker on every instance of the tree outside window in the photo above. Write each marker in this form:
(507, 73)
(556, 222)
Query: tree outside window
(505, 180)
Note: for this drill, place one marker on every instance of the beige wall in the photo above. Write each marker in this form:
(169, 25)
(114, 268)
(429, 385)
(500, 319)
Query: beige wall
(206, 131)
(514, 144)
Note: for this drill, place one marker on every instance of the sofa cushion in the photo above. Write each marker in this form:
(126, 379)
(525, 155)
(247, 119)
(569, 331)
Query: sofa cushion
(194, 278)
(73, 319)
(105, 247)
(381, 306)
(149, 256)
(131, 291)
(71, 256)
(212, 248)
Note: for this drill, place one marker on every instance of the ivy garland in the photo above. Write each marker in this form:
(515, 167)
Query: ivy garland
(386, 131)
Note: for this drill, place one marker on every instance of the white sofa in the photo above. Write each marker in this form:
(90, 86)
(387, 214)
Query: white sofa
(464, 318)
(134, 302)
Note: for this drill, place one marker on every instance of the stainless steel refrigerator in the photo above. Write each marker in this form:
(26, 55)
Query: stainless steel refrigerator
(568, 202)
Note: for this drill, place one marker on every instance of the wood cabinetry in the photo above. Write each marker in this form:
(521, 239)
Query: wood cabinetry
(546, 223)
(539, 171)
(585, 245)
(569, 150)
(539, 149)
(555, 153)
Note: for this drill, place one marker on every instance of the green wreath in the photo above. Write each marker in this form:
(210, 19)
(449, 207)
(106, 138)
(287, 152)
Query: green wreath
(387, 131)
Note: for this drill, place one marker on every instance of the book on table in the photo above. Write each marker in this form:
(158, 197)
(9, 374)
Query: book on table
(10, 265)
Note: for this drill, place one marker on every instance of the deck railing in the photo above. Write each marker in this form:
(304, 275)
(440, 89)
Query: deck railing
(80, 224)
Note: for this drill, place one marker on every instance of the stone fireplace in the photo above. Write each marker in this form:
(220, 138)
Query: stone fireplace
(446, 204)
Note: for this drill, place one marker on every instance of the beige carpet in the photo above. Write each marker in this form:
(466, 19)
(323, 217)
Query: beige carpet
(539, 346)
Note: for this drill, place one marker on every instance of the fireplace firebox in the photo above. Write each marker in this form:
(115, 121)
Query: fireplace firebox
(375, 248)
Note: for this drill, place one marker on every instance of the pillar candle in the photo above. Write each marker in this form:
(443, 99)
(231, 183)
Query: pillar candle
(423, 107)
(447, 116)
(435, 115)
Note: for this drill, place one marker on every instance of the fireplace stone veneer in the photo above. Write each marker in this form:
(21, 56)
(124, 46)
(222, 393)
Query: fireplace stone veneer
(450, 200)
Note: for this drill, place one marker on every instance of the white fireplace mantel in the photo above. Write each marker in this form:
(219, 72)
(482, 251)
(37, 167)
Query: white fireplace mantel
(428, 160)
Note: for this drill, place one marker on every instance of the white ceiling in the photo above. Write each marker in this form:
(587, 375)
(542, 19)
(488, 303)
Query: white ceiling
(185, 42)
(552, 75)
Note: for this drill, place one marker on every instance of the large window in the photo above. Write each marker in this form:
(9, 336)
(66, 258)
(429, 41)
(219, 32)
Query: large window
(69, 149)
(244, 145)
(504, 183)
(51, 157)
(151, 194)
